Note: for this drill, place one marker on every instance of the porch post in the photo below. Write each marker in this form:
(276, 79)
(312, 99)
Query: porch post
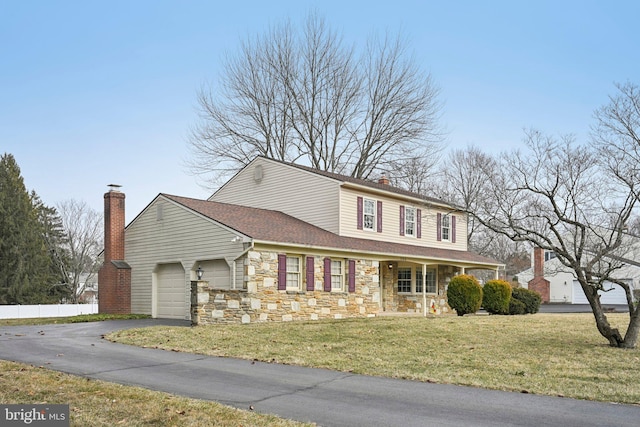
(424, 290)
(497, 274)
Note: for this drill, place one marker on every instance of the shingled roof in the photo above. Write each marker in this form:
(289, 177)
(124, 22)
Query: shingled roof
(265, 225)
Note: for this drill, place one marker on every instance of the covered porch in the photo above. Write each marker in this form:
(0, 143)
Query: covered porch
(420, 286)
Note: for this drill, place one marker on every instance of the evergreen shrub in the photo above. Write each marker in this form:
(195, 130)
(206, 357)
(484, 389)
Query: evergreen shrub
(464, 294)
(530, 299)
(517, 307)
(496, 295)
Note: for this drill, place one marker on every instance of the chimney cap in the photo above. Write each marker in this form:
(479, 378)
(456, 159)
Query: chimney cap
(114, 187)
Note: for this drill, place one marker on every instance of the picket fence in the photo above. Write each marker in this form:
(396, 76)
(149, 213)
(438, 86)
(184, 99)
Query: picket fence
(46, 310)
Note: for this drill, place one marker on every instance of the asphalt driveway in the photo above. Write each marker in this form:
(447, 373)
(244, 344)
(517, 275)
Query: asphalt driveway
(326, 397)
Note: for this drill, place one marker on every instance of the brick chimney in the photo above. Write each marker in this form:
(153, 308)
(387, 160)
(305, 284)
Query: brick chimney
(114, 277)
(539, 283)
(383, 180)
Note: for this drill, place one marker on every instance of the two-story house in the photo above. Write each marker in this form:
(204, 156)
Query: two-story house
(282, 242)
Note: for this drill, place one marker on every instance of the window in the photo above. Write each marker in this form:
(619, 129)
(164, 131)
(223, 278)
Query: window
(369, 214)
(431, 281)
(404, 279)
(410, 221)
(446, 227)
(337, 276)
(549, 255)
(293, 273)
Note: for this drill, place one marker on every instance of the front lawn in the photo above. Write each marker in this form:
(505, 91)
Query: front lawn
(552, 354)
(98, 403)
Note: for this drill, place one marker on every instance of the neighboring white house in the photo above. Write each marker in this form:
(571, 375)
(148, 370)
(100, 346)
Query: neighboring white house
(564, 288)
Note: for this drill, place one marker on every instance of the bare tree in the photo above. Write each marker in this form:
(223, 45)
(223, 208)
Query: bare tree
(556, 196)
(82, 245)
(617, 135)
(416, 174)
(302, 96)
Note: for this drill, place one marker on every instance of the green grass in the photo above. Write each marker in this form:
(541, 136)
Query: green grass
(71, 319)
(99, 403)
(551, 354)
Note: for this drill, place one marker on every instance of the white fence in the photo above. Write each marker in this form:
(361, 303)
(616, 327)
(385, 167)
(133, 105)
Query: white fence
(48, 310)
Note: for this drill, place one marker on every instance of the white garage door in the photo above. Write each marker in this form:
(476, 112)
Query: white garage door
(171, 292)
(615, 296)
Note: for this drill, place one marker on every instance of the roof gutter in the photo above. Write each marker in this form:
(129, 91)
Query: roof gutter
(382, 255)
(390, 193)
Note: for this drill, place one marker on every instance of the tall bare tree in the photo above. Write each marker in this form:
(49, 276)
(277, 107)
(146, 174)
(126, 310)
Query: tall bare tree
(303, 96)
(78, 261)
(556, 196)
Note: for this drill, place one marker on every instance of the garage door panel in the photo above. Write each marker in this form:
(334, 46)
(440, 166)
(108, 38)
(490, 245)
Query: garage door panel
(614, 296)
(171, 295)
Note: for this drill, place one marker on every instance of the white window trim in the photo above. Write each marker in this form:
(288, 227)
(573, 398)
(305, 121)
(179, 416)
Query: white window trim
(414, 280)
(413, 283)
(341, 276)
(447, 218)
(374, 215)
(414, 222)
(297, 273)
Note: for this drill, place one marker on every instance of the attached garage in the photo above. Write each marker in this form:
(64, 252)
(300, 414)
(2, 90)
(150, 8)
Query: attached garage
(217, 273)
(171, 292)
(614, 295)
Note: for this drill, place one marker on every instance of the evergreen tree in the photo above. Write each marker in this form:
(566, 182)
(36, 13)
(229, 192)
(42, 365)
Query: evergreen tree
(25, 260)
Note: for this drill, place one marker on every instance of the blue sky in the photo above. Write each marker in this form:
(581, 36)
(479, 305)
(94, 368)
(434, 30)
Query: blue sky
(93, 93)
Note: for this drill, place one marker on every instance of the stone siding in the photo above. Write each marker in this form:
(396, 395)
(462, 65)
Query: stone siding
(261, 301)
(413, 303)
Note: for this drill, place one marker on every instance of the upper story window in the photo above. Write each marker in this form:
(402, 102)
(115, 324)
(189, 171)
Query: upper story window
(410, 221)
(369, 215)
(446, 227)
(549, 255)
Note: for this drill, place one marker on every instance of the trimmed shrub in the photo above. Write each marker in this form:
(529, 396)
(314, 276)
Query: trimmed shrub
(517, 307)
(464, 294)
(530, 299)
(496, 295)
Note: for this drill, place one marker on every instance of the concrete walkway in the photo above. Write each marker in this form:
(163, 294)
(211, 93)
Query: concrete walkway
(326, 397)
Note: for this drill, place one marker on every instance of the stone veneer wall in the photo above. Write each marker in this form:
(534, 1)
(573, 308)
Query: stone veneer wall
(405, 303)
(261, 301)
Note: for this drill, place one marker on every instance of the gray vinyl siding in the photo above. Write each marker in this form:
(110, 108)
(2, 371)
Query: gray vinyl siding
(301, 194)
(391, 222)
(181, 236)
